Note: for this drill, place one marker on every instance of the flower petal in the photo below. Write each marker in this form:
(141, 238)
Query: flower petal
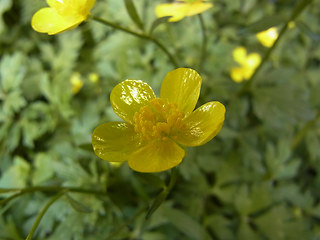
(129, 96)
(202, 125)
(237, 74)
(197, 7)
(157, 156)
(182, 86)
(114, 141)
(176, 10)
(240, 55)
(47, 20)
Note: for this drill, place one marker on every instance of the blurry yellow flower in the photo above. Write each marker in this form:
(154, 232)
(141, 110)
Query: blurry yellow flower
(61, 15)
(76, 82)
(268, 37)
(155, 129)
(248, 64)
(182, 8)
(291, 24)
(93, 77)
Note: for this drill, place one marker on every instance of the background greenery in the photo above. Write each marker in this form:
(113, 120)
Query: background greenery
(258, 179)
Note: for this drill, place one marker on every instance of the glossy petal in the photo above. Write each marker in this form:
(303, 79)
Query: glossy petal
(197, 7)
(203, 124)
(114, 141)
(157, 156)
(176, 10)
(129, 96)
(182, 86)
(47, 20)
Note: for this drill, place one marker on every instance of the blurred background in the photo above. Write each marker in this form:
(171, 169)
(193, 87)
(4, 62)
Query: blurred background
(258, 179)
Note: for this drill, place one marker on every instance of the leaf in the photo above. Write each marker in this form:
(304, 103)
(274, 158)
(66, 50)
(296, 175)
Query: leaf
(158, 22)
(132, 11)
(78, 206)
(185, 224)
(4, 6)
(264, 24)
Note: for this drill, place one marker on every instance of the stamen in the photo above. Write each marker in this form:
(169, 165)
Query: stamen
(158, 120)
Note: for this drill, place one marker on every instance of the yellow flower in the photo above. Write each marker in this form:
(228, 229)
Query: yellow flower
(93, 77)
(268, 37)
(155, 129)
(182, 8)
(76, 82)
(61, 15)
(248, 64)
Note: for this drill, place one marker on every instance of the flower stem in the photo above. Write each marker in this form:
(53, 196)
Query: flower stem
(140, 35)
(204, 43)
(43, 211)
(298, 9)
(22, 191)
(129, 221)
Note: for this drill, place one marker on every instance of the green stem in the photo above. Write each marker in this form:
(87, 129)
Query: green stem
(295, 13)
(21, 191)
(301, 134)
(125, 224)
(140, 35)
(43, 211)
(204, 43)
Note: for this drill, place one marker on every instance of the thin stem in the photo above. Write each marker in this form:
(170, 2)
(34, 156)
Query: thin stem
(125, 224)
(295, 13)
(50, 189)
(42, 212)
(301, 134)
(140, 35)
(204, 43)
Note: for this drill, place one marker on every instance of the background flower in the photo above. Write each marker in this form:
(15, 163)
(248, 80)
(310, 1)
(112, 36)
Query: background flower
(268, 37)
(181, 9)
(61, 15)
(248, 63)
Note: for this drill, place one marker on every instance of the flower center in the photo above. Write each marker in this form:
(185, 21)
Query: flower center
(158, 120)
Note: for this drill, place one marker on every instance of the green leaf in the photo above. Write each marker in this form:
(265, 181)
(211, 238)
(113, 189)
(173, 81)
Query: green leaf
(264, 24)
(78, 206)
(132, 11)
(185, 224)
(158, 22)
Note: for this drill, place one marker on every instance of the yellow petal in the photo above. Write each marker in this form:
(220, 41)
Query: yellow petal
(47, 20)
(157, 156)
(197, 7)
(268, 37)
(114, 141)
(240, 55)
(237, 74)
(182, 86)
(176, 10)
(203, 124)
(253, 60)
(129, 96)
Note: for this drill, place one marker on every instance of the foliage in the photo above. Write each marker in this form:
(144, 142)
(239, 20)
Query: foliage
(258, 179)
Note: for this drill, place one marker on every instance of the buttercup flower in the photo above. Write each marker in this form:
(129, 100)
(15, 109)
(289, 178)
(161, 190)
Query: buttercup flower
(248, 64)
(76, 82)
(268, 37)
(181, 9)
(155, 129)
(61, 15)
